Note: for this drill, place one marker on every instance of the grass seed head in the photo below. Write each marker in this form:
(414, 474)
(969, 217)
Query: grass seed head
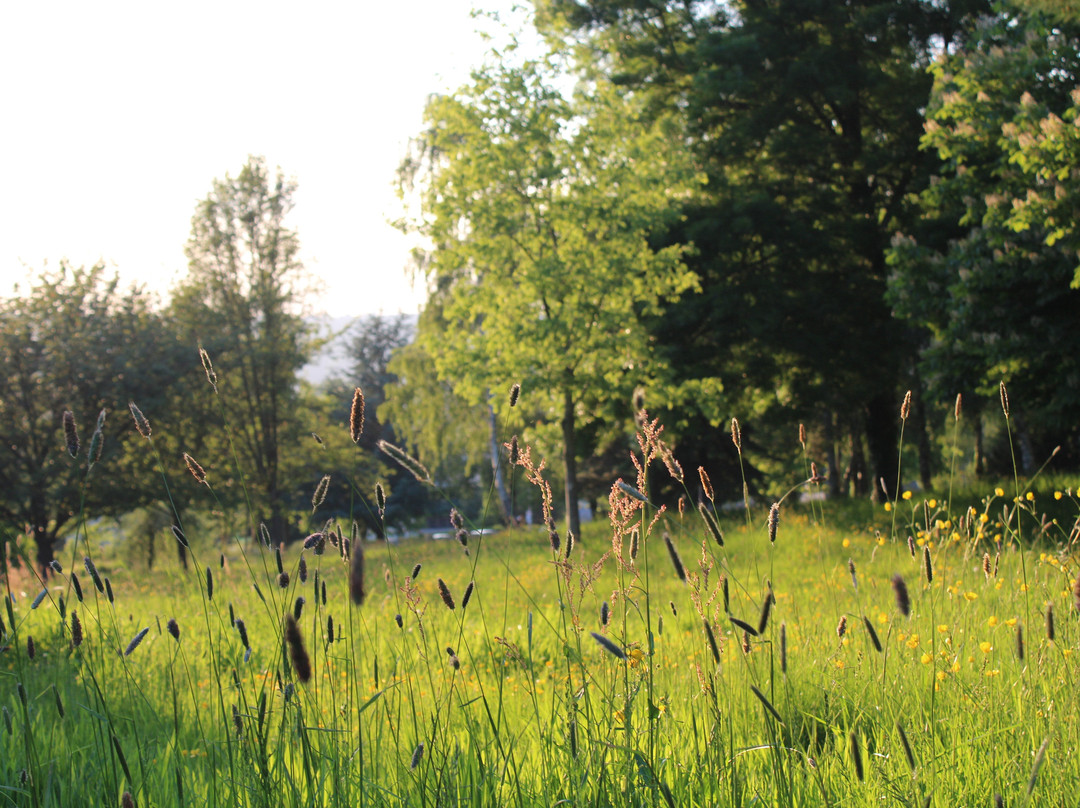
(283, 580)
(444, 593)
(905, 407)
(903, 600)
(774, 521)
(196, 470)
(783, 647)
(30, 649)
(1004, 399)
(356, 575)
(173, 628)
(1050, 622)
(319, 496)
(873, 634)
(138, 638)
(141, 423)
(297, 652)
(766, 609)
(676, 561)
(906, 746)
(856, 757)
(128, 801)
(928, 564)
(76, 630)
(380, 497)
(92, 570)
(71, 434)
(605, 612)
(356, 415)
(711, 638)
(609, 646)
(841, 627)
(515, 394)
(468, 594)
(417, 755)
(706, 483)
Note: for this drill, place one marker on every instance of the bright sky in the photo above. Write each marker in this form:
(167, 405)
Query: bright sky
(118, 115)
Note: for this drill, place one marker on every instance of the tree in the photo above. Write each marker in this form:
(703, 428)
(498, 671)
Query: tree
(240, 302)
(806, 117)
(76, 342)
(539, 211)
(986, 271)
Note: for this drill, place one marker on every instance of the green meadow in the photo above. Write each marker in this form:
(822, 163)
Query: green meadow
(800, 654)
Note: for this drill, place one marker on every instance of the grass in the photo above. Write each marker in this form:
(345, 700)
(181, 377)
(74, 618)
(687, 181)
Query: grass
(756, 681)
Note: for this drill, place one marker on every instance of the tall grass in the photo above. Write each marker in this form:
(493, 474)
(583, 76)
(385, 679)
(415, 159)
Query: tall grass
(663, 658)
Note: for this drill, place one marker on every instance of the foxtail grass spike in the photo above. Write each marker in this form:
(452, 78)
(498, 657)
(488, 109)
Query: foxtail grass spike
(444, 593)
(418, 754)
(208, 368)
(856, 757)
(774, 521)
(928, 564)
(297, 652)
(319, 496)
(903, 601)
(380, 497)
(1040, 756)
(71, 434)
(209, 584)
(1050, 622)
(783, 648)
(766, 608)
(873, 634)
(905, 408)
(91, 569)
(676, 561)
(713, 647)
(706, 483)
(141, 423)
(173, 628)
(196, 470)
(749, 629)
(356, 415)
(957, 407)
(515, 394)
(468, 595)
(1004, 399)
(767, 704)
(138, 638)
(609, 646)
(76, 630)
(604, 613)
(356, 574)
(711, 523)
(736, 436)
(908, 754)
(841, 627)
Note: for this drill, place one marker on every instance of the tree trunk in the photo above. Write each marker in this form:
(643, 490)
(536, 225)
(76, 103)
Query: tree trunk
(882, 415)
(497, 470)
(573, 522)
(830, 454)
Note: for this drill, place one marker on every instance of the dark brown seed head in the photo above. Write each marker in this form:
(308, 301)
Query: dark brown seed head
(856, 757)
(356, 415)
(398, 620)
(774, 521)
(906, 746)
(417, 756)
(604, 613)
(1020, 642)
(141, 423)
(241, 629)
(329, 628)
(237, 721)
(209, 584)
(928, 564)
(108, 590)
(298, 607)
(873, 634)
(841, 627)
(380, 497)
(986, 565)
(297, 653)
(903, 602)
(515, 452)
(569, 543)
(746, 642)
(462, 537)
(71, 434)
(711, 638)
(92, 570)
(554, 540)
(301, 569)
(76, 630)
(671, 603)
(356, 574)
(724, 587)
(283, 580)
(1050, 622)
(766, 608)
(30, 649)
(635, 542)
(173, 628)
(416, 571)
(444, 593)
(196, 470)
(676, 562)
(911, 546)
(468, 594)
(515, 394)
(128, 801)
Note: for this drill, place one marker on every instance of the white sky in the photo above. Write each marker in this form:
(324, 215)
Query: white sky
(117, 116)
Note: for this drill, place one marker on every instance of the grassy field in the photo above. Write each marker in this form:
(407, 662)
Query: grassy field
(921, 658)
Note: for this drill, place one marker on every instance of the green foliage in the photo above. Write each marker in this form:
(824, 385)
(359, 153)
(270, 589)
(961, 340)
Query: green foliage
(76, 341)
(539, 210)
(987, 270)
(240, 302)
